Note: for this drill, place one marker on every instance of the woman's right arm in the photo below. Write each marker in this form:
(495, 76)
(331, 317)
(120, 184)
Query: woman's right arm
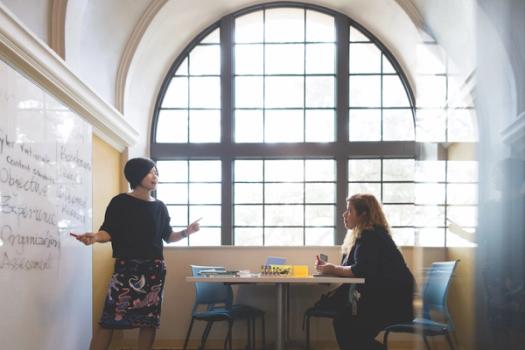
(89, 238)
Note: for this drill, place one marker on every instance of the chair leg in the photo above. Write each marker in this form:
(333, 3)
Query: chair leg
(228, 340)
(263, 333)
(307, 332)
(385, 340)
(449, 341)
(249, 333)
(188, 334)
(205, 334)
(426, 342)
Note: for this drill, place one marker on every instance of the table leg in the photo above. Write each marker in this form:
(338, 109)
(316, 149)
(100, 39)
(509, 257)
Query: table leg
(279, 341)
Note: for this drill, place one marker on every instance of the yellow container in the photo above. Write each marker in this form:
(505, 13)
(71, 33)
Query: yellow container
(300, 270)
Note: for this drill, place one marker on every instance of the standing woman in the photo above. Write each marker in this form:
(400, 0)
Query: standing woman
(387, 295)
(135, 223)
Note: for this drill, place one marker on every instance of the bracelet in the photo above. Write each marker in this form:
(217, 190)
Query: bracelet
(184, 233)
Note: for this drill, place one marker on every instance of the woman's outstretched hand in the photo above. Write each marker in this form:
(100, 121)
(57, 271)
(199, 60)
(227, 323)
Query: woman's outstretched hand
(87, 238)
(193, 227)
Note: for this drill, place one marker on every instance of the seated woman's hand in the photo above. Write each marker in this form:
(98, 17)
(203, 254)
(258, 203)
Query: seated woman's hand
(325, 268)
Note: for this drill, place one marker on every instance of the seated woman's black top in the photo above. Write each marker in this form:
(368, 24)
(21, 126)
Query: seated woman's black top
(137, 227)
(388, 291)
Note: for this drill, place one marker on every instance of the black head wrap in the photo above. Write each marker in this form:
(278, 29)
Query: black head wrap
(136, 169)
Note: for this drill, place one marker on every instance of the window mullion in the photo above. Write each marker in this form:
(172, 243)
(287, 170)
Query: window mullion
(227, 103)
(342, 105)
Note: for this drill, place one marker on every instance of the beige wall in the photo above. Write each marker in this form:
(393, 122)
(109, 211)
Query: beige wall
(106, 181)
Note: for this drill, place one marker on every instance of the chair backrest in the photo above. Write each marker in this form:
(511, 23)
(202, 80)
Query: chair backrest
(435, 290)
(211, 294)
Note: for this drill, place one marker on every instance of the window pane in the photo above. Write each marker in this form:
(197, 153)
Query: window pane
(430, 193)
(387, 66)
(364, 170)
(398, 125)
(356, 35)
(208, 236)
(283, 193)
(205, 60)
(320, 170)
(462, 193)
(205, 193)
(249, 28)
(319, 26)
(431, 125)
(248, 237)
(177, 94)
(398, 193)
(284, 92)
(365, 187)
(284, 25)
(178, 215)
(462, 171)
(249, 59)
(365, 91)
(320, 92)
(320, 59)
(210, 214)
(183, 68)
(248, 126)
(172, 126)
(284, 126)
(284, 170)
(399, 215)
(319, 215)
(320, 126)
(320, 193)
(205, 171)
(430, 171)
(399, 169)
(319, 236)
(205, 125)
(462, 125)
(432, 91)
(394, 93)
(173, 171)
(248, 193)
(365, 125)
(403, 236)
(365, 58)
(213, 38)
(248, 170)
(463, 216)
(205, 92)
(172, 193)
(429, 216)
(283, 236)
(248, 215)
(284, 59)
(430, 237)
(283, 215)
(248, 92)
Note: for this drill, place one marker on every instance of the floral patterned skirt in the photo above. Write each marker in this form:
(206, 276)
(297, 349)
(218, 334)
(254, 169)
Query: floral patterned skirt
(134, 295)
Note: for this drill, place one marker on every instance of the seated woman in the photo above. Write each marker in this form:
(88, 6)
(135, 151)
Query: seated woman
(369, 252)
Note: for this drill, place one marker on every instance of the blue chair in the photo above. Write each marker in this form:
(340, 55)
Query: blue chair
(218, 300)
(435, 293)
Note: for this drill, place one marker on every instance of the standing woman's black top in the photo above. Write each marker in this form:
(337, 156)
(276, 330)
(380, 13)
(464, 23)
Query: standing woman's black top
(137, 227)
(388, 291)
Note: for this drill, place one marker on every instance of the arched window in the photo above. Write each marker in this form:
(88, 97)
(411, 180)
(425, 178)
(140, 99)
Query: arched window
(271, 117)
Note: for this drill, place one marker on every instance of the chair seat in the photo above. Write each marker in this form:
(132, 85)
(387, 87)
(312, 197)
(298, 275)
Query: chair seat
(320, 312)
(419, 325)
(237, 311)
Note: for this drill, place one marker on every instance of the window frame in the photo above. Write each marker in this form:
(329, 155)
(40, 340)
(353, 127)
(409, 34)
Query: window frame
(227, 150)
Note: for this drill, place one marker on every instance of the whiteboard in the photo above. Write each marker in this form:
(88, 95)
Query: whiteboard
(45, 192)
